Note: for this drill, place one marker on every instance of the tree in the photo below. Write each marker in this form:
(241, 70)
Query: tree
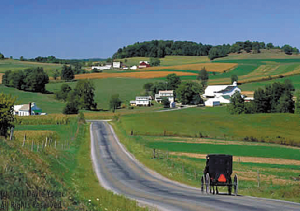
(173, 81)
(115, 102)
(55, 74)
(165, 101)
(154, 61)
(286, 103)
(85, 91)
(148, 86)
(6, 114)
(234, 78)
(63, 93)
(203, 76)
(71, 108)
(255, 47)
(21, 58)
(186, 92)
(270, 46)
(297, 104)
(1, 56)
(237, 105)
(287, 49)
(67, 73)
(109, 60)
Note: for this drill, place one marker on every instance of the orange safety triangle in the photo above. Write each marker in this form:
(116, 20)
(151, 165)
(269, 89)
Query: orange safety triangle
(222, 178)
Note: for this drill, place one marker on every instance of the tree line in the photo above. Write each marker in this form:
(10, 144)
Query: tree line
(32, 79)
(274, 98)
(161, 48)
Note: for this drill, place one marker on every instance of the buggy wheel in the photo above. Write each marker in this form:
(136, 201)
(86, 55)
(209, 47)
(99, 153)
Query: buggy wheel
(207, 183)
(230, 186)
(235, 185)
(202, 183)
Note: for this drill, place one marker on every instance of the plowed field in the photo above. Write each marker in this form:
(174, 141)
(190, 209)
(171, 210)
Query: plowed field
(142, 75)
(211, 67)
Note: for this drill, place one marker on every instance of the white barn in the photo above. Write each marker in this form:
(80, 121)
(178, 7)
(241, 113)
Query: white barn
(220, 90)
(212, 102)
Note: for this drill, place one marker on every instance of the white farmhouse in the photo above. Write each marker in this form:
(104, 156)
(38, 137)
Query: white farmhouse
(141, 101)
(167, 93)
(27, 110)
(117, 65)
(220, 90)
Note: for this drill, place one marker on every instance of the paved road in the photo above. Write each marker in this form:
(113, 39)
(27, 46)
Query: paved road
(119, 171)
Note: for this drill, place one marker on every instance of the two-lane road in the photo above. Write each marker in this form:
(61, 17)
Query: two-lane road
(119, 171)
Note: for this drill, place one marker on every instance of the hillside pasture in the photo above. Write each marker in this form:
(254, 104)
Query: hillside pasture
(140, 75)
(210, 67)
(10, 64)
(167, 60)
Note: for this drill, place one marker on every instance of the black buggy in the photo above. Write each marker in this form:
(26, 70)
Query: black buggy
(218, 172)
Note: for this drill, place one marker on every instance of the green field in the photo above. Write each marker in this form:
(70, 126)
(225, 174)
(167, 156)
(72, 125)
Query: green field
(10, 64)
(254, 86)
(167, 60)
(215, 123)
(127, 88)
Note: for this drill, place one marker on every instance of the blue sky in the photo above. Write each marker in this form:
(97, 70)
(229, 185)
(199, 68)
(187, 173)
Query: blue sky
(95, 28)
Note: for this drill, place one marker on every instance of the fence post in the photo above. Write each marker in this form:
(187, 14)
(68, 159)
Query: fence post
(182, 170)
(167, 154)
(24, 140)
(195, 174)
(153, 153)
(258, 178)
(32, 146)
(11, 133)
(37, 149)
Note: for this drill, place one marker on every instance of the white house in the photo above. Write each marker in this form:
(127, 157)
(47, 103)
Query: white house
(27, 110)
(141, 101)
(167, 93)
(212, 102)
(219, 90)
(117, 65)
(134, 67)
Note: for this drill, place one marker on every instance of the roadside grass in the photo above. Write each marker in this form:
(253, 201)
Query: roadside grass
(216, 123)
(10, 64)
(276, 181)
(65, 168)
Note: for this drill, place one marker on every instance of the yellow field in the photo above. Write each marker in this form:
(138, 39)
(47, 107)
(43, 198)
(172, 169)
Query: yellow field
(142, 75)
(211, 67)
(38, 136)
(1, 74)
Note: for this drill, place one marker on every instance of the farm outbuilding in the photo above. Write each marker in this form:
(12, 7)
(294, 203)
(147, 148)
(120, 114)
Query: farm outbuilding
(221, 90)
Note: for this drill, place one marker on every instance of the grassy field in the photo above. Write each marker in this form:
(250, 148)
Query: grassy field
(140, 75)
(215, 123)
(276, 180)
(253, 86)
(167, 60)
(10, 64)
(211, 67)
(64, 167)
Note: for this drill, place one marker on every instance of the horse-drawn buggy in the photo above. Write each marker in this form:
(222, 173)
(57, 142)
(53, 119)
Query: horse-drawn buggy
(218, 172)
